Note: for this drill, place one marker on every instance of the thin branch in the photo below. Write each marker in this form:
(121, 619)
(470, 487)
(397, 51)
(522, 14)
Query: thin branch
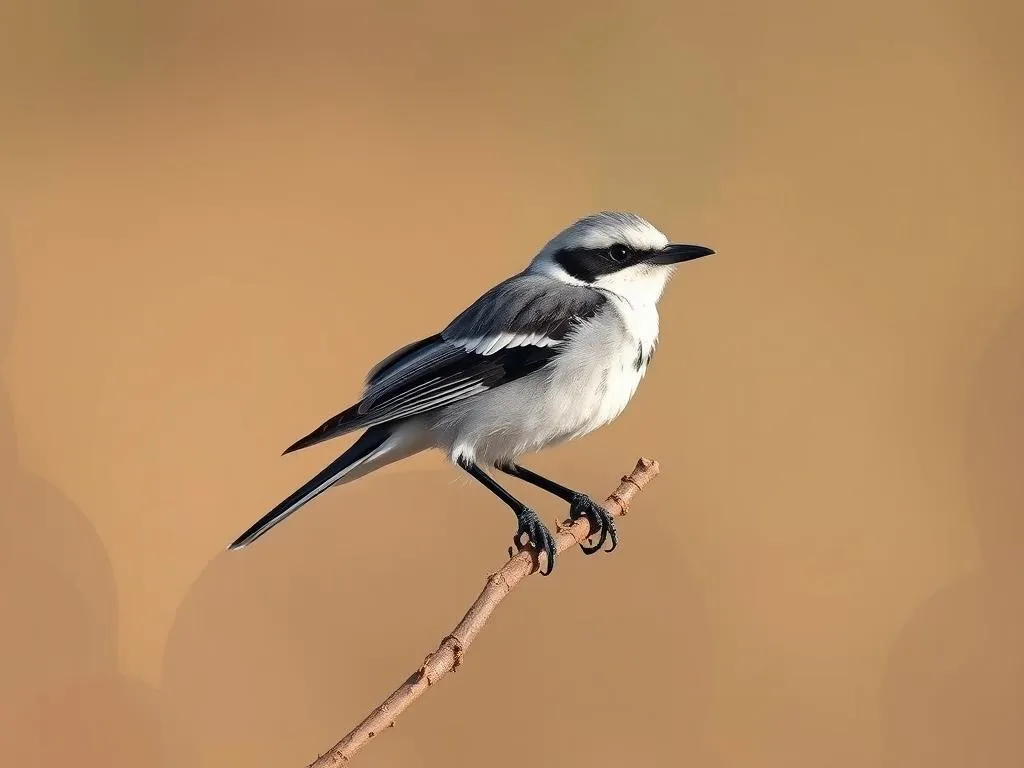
(449, 653)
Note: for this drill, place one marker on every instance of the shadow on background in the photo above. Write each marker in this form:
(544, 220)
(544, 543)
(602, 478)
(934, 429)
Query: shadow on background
(953, 693)
(62, 621)
(62, 700)
(279, 649)
(109, 721)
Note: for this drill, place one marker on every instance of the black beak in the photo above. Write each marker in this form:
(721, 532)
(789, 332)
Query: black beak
(675, 253)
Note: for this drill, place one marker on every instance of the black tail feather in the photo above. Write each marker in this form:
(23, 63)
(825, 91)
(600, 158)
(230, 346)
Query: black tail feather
(369, 442)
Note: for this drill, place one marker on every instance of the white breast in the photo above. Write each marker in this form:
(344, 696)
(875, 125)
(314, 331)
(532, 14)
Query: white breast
(606, 362)
(588, 385)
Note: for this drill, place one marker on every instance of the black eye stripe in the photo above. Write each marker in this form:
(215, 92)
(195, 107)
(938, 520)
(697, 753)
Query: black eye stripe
(588, 264)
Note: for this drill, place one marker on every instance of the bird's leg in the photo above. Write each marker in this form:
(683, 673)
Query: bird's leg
(530, 523)
(580, 505)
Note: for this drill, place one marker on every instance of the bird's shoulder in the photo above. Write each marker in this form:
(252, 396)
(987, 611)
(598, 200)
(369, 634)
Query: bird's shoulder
(531, 308)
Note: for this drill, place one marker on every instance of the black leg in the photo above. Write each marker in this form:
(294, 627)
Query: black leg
(580, 505)
(530, 524)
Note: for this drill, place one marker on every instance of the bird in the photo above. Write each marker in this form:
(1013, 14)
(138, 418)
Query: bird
(546, 356)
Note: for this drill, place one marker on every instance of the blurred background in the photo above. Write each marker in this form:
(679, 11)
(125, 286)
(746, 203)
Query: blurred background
(200, 206)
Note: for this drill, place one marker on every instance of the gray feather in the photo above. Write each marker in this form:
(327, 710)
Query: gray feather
(526, 305)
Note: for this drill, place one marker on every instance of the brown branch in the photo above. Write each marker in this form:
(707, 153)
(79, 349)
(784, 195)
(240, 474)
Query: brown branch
(450, 652)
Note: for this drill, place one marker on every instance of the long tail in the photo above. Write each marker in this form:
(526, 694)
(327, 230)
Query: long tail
(377, 446)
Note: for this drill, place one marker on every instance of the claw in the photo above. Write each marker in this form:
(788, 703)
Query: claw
(584, 506)
(601, 538)
(537, 534)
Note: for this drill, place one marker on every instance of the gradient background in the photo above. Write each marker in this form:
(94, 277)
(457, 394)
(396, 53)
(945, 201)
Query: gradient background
(201, 207)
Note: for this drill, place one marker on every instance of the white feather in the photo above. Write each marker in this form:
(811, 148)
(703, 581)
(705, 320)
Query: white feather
(488, 345)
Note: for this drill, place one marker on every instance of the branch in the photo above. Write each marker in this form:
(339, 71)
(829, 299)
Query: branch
(449, 653)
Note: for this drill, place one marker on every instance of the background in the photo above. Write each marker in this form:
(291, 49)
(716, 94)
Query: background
(200, 206)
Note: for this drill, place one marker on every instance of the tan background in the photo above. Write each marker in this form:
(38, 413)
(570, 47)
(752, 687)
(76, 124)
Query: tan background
(201, 205)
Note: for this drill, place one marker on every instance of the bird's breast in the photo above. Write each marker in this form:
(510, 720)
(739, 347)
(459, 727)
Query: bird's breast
(600, 371)
(587, 385)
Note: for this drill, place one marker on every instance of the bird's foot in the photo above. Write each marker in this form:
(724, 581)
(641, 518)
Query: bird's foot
(537, 534)
(584, 506)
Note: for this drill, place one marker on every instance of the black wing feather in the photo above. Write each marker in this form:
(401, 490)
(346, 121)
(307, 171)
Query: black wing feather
(465, 374)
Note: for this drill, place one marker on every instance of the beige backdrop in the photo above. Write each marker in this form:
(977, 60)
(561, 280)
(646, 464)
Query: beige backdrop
(201, 205)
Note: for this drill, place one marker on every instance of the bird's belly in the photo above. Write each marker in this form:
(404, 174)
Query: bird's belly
(546, 408)
(593, 396)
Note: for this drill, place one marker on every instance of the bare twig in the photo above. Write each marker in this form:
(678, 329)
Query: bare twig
(449, 653)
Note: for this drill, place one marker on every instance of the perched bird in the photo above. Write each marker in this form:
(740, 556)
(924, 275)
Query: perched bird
(543, 357)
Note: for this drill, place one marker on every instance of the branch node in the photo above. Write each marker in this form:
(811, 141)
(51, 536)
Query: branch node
(631, 481)
(499, 579)
(623, 507)
(458, 650)
(422, 671)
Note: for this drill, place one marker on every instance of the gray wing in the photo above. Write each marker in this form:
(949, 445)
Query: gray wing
(525, 309)
(511, 331)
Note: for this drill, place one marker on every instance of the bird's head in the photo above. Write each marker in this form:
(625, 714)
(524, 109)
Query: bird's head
(618, 252)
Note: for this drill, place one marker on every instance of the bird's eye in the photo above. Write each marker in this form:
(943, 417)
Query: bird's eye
(618, 252)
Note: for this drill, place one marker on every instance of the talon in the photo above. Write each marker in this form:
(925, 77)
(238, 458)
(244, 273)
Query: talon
(602, 535)
(612, 535)
(589, 550)
(549, 549)
(537, 534)
(584, 506)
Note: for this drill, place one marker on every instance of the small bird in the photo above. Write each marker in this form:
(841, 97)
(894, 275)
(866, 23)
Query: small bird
(545, 356)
